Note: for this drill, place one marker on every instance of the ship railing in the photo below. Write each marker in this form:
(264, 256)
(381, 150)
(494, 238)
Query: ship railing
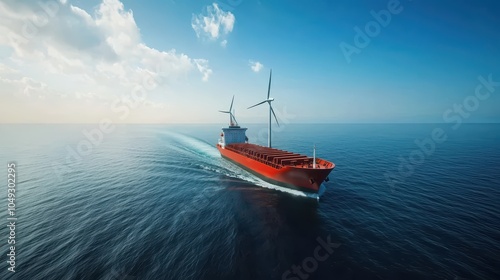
(289, 160)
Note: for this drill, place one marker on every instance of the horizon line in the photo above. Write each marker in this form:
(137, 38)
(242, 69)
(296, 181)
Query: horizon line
(217, 123)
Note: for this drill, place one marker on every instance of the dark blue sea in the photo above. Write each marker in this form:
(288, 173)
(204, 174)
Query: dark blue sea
(158, 202)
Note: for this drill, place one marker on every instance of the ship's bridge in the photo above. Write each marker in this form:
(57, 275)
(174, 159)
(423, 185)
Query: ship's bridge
(233, 134)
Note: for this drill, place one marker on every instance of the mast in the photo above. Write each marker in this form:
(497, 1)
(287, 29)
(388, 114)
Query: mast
(269, 128)
(314, 156)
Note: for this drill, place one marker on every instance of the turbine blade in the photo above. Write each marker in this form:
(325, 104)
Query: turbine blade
(257, 104)
(234, 118)
(269, 87)
(272, 111)
(225, 112)
(231, 108)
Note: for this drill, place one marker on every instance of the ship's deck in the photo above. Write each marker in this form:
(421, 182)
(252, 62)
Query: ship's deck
(275, 157)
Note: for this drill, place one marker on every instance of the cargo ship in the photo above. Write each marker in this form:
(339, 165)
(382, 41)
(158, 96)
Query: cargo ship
(278, 167)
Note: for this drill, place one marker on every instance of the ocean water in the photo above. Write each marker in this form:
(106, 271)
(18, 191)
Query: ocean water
(158, 202)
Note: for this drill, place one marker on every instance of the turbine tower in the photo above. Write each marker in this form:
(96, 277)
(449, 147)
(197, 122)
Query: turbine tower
(232, 119)
(271, 111)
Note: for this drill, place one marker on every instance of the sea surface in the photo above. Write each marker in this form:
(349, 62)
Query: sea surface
(158, 202)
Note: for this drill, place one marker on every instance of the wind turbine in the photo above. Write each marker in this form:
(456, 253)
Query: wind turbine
(271, 111)
(231, 114)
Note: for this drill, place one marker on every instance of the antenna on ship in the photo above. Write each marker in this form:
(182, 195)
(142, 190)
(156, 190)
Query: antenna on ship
(232, 119)
(271, 111)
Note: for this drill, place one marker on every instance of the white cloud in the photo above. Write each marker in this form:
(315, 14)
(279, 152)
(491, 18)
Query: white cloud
(256, 66)
(71, 41)
(223, 43)
(82, 55)
(202, 65)
(25, 87)
(213, 23)
(4, 69)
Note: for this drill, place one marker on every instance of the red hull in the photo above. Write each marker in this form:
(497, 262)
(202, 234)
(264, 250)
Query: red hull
(279, 167)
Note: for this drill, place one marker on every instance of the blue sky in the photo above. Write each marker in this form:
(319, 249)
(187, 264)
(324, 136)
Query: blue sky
(84, 62)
